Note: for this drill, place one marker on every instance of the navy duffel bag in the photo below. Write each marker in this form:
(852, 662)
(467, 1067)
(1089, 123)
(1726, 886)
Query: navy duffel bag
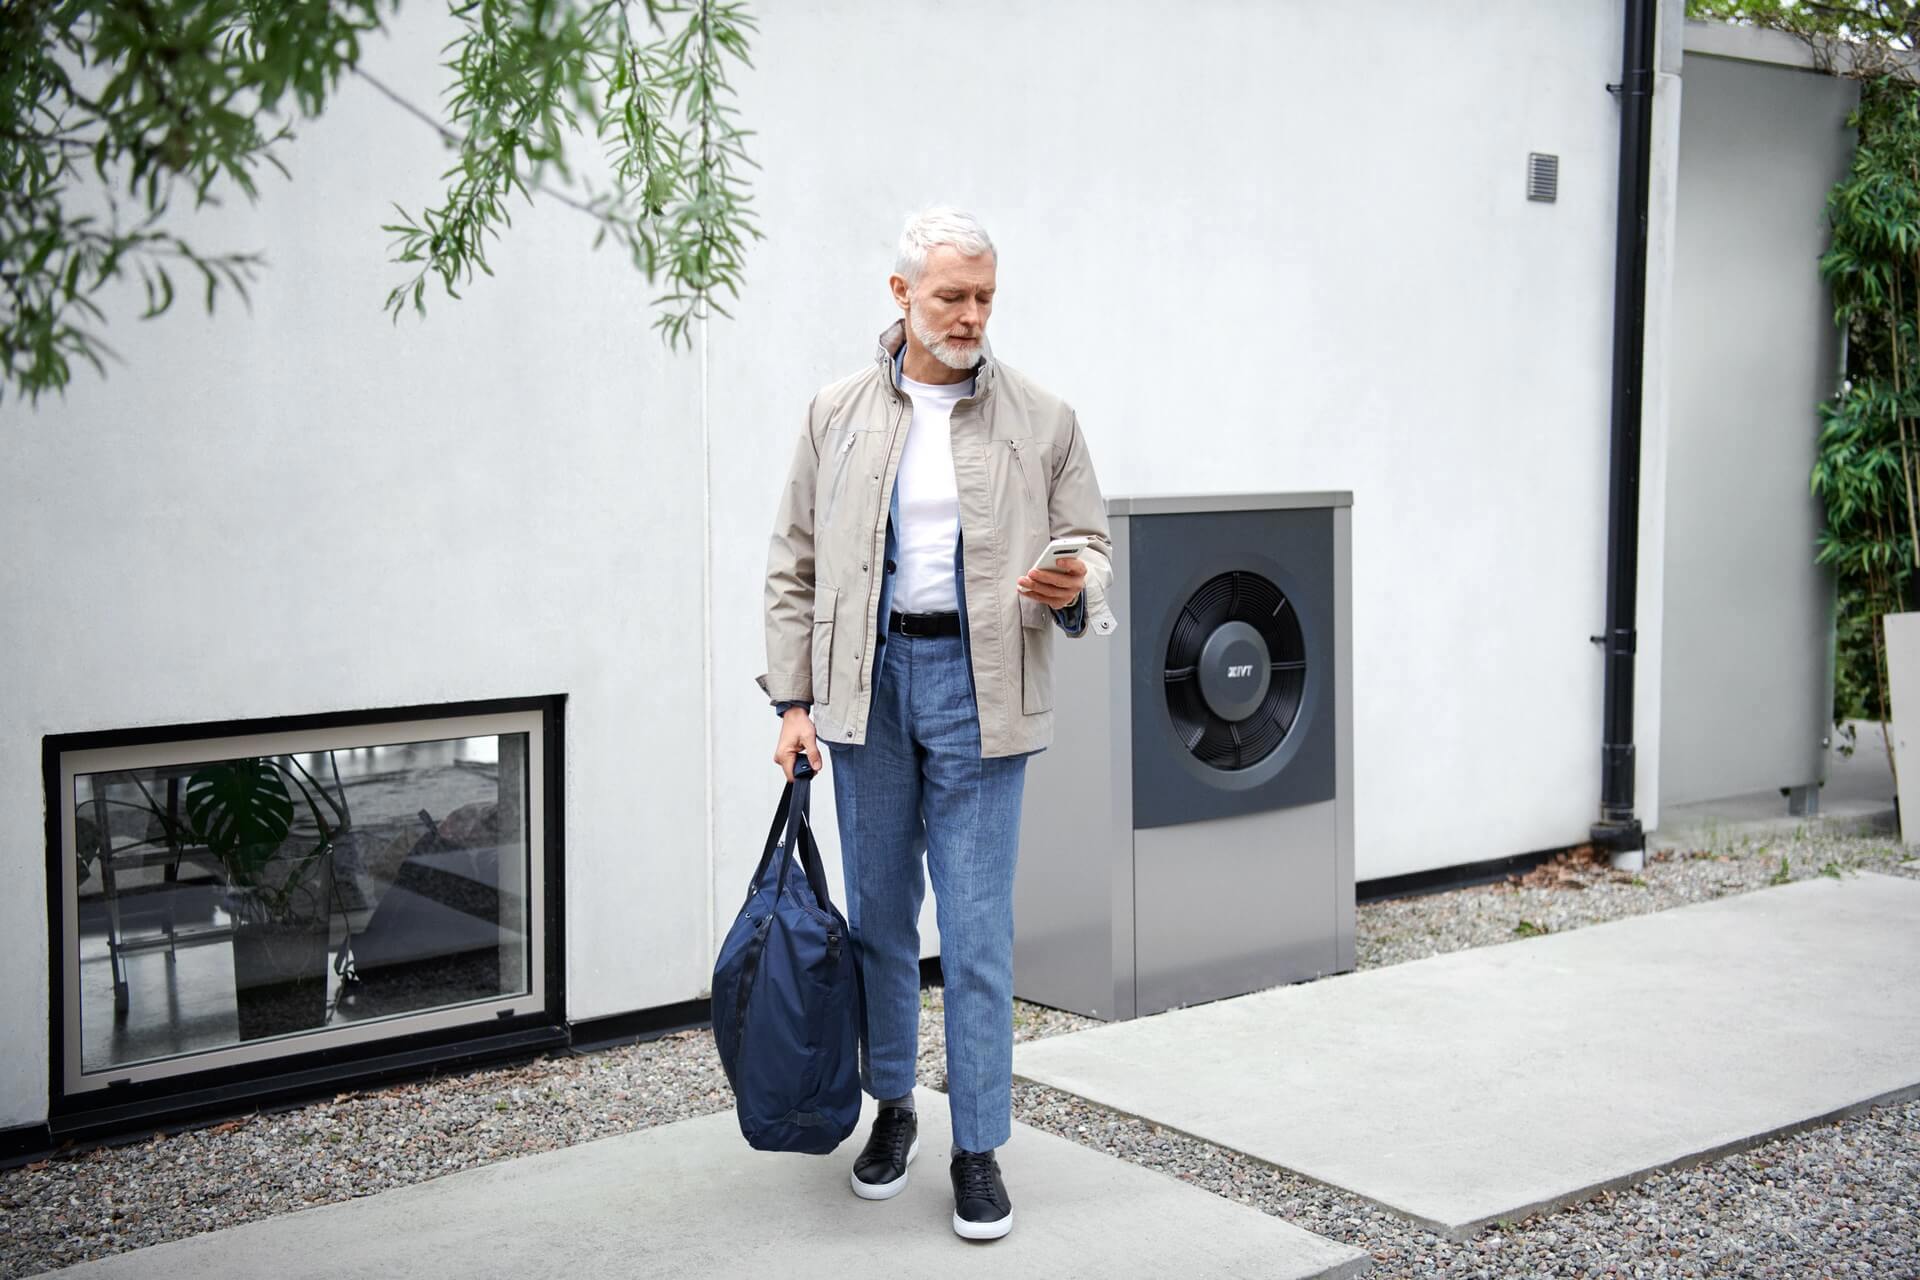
(788, 1004)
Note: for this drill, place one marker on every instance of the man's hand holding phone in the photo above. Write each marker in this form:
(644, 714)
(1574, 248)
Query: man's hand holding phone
(1059, 574)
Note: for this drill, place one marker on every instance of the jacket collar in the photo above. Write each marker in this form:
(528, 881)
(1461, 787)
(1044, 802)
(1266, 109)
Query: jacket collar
(895, 338)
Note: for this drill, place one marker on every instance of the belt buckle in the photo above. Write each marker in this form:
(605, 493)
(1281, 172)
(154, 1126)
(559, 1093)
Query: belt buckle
(907, 625)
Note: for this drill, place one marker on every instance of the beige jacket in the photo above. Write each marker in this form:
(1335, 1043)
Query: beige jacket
(1023, 474)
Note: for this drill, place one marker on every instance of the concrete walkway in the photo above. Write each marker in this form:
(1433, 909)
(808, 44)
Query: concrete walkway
(693, 1200)
(1485, 1084)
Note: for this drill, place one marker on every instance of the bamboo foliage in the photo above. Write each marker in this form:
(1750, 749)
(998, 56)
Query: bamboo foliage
(1867, 472)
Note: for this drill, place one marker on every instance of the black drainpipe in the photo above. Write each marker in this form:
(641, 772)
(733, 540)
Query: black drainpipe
(1618, 830)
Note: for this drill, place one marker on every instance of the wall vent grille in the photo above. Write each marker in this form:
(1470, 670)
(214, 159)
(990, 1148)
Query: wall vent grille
(1543, 177)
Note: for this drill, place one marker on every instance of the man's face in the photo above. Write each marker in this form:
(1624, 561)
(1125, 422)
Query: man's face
(947, 311)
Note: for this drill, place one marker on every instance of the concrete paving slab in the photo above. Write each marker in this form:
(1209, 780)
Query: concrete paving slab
(1486, 1084)
(693, 1200)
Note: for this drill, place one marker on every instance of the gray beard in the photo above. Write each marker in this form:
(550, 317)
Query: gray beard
(940, 349)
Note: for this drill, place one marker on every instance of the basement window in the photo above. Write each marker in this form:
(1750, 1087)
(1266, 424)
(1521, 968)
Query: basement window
(227, 901)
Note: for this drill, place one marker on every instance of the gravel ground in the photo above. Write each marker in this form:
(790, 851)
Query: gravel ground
(1839, 1200)
(1573, 891)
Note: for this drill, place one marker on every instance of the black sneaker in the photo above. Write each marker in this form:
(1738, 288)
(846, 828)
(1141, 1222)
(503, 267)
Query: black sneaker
(880, 1173)
(981, 1210)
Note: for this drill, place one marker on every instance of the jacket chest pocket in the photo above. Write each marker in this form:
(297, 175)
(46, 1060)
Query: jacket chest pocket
(1027, 484)
(1020, 492)
(846, 460)
(826, 600)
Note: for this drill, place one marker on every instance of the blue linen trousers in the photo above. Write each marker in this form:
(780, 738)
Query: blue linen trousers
(918, 787)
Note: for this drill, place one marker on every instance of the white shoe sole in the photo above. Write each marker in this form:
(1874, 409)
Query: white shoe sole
(886, 1190)
(982, 1230)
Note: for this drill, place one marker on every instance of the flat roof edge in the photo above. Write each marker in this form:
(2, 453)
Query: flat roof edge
(1763, 45)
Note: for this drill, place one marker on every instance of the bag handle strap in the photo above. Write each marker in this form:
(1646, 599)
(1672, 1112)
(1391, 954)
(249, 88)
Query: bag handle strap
(800, 834)
(810, 863)
(798, 797)
(773, 836)
(793, 814)
(782, 816)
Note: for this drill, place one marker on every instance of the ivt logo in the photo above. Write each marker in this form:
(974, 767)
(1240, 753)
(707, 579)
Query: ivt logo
(1235, 672)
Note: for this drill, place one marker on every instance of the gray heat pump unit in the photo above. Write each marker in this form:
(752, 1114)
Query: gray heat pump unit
(1189, 834)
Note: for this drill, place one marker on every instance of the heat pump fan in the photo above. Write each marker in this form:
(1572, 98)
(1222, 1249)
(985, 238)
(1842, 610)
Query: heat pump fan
(1236, 667)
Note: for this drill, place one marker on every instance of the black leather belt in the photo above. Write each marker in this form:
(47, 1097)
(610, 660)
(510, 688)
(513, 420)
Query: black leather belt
(924, 624)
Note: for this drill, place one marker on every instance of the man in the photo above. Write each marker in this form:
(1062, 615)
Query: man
(900, 611)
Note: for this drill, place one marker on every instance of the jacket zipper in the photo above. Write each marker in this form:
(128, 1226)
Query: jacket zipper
(886, 502)
(1019, 460)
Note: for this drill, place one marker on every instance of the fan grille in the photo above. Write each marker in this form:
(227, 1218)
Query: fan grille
(1235, 596)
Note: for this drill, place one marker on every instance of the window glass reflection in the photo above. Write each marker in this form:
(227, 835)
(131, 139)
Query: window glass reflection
(227, 902)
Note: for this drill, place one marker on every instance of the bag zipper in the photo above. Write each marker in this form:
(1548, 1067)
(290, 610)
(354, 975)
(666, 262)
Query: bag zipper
(750, 965)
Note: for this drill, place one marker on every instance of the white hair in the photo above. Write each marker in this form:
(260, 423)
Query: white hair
(941, 224)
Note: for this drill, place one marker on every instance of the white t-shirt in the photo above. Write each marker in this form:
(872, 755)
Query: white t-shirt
(929, 501)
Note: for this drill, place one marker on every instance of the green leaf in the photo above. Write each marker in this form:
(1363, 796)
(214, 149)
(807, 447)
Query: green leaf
(240, 809)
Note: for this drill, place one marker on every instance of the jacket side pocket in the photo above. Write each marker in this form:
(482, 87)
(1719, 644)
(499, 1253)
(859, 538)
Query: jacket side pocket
(826, 602)
(1036, 656)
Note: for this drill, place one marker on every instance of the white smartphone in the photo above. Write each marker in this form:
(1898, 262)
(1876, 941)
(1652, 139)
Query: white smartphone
(1060, 549)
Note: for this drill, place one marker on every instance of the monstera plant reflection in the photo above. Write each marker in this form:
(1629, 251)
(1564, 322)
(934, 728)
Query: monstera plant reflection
(279, 890)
